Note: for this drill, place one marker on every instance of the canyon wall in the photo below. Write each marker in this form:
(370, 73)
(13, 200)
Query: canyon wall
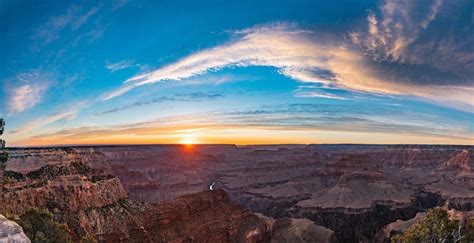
(353, 190)
(94, 204)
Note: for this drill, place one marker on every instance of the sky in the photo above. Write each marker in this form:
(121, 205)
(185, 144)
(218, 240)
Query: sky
(237, 72)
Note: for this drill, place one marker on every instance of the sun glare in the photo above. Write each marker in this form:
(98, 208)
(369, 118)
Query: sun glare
(188, 140)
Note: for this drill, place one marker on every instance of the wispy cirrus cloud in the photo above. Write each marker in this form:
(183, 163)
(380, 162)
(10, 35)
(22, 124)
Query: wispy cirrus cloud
(310, 91)
(118, 92)
(24, 97)
(26, 90)
(115, 66)
(187, 97)
(74, 18)
(293, 51)
(300, 55)
(68, 113)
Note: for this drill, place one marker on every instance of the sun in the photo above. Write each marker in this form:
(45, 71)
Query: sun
(188, 140)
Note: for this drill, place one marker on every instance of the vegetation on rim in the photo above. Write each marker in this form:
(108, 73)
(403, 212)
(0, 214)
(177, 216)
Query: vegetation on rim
(438, 227)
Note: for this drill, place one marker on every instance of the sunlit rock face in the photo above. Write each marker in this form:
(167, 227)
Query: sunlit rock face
(353, 190)
(11, 232)
(72, 188)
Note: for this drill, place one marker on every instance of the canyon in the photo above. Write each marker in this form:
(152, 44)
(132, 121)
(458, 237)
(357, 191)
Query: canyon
(338, 193)
(94, 204)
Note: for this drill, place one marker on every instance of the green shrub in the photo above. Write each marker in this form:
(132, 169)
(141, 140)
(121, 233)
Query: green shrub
(88, 239)
(39, 226)
(435, 227)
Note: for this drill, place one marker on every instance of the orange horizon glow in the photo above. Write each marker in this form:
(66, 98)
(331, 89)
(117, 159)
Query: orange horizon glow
(189, 140)
(237, 136)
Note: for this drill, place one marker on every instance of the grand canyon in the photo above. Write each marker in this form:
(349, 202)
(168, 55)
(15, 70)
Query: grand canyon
(246, 121)
(221, 193)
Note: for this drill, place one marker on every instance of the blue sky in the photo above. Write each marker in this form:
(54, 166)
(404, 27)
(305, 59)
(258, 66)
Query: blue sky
(240, 72)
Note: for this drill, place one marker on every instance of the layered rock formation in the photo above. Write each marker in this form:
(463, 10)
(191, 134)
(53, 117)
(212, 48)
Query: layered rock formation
(72, 188)
(90, 201)
(354, 190)
(94, 204)
(207, 216)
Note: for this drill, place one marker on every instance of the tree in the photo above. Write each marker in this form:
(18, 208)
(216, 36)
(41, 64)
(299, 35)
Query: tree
(435, 227)
(39, 226)
(469, 236)
(88, 239)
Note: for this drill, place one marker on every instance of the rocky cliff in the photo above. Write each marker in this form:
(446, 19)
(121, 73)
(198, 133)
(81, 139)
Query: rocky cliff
(71, 188)
(207, 216)
(82, 197)
(94, 204)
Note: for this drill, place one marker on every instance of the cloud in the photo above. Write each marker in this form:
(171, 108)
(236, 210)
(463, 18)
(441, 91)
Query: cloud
(118, 92)
(68, 113)
(309, 91)
(300, 55)
(119, 65)
(24, 97)
(196, 96)
(315, 119)
(293, 51)
(318, 94)
(28, 90)
(89, 36)
(74, 18)
(118, 4)
(421, 42)
(81, 19)
(400, 25)
(282, 46)
(188, 97)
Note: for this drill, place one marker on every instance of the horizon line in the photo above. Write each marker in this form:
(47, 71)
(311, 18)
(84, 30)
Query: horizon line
(237, 145)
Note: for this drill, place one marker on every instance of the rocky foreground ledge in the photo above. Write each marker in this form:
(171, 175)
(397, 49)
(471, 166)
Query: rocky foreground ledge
(11, 232)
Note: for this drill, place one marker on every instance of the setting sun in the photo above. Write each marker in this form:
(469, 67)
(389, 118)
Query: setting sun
(189, 140)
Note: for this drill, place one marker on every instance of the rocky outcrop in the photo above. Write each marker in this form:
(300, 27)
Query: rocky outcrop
(11, 232)
(90, 201)
(297, 230)
(70, 188)
(398, 227)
